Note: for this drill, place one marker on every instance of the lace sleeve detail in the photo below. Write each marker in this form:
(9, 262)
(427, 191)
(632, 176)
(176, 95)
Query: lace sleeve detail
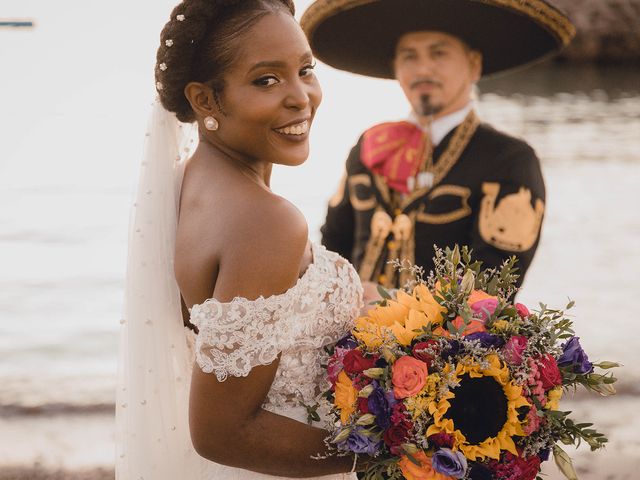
(320, 308)
(237, 336)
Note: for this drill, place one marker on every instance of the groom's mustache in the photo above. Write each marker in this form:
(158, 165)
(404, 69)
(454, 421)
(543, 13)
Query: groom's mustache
(425, 81)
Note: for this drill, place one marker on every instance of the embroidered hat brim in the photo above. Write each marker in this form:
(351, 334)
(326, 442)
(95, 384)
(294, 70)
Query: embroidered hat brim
(360, 36)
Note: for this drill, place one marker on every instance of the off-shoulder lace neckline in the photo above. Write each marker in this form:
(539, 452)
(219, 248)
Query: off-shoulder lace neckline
(302, 280)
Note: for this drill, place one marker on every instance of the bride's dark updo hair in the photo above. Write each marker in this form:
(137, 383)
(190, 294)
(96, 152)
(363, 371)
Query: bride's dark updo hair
(199, 42)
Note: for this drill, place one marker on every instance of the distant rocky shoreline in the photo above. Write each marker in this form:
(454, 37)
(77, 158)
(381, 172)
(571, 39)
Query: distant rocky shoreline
(607, 30)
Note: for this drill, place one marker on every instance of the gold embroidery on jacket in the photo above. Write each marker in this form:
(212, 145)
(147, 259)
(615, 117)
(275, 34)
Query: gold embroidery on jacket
(513, 225)
(463, 193)
(383, 188)
(357, 203)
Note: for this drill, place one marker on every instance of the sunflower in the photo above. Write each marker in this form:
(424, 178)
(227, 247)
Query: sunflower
(402, 319)
(481, 412)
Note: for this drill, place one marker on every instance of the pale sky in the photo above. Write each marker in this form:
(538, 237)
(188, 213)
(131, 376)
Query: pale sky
(74, 93)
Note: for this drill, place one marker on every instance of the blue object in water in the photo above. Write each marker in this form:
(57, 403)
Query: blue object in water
(16, 23)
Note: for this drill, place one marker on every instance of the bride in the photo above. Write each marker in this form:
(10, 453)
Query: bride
(263, 300)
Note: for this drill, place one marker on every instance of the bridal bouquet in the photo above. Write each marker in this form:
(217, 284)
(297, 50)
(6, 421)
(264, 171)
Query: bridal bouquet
(449, 379)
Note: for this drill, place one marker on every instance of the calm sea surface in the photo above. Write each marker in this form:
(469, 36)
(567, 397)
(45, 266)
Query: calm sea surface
(71, 125)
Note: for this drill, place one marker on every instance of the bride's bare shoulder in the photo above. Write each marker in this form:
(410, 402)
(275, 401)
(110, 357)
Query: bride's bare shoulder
(223, 208)
(264, 251)
(236, 236)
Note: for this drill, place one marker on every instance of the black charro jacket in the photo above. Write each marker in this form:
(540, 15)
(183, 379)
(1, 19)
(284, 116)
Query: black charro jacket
(492, 200)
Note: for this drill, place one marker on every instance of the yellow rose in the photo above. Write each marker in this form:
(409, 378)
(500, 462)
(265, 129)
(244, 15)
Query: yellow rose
(345, 397)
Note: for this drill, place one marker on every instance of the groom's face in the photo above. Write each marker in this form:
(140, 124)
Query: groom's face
(436, 71)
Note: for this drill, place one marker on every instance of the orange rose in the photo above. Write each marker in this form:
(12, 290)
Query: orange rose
(478, 295)
(425, 471)
(408, 375)
(474, 326)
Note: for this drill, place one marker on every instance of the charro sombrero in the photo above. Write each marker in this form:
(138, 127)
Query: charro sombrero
(360, 36)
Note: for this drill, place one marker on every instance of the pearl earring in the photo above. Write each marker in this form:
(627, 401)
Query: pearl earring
(211, 123)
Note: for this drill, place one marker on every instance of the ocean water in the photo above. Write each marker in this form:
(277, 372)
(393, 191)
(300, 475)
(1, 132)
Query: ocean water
(71, 126)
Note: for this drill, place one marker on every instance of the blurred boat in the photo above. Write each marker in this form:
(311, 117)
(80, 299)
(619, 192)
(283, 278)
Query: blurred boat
(16, 23)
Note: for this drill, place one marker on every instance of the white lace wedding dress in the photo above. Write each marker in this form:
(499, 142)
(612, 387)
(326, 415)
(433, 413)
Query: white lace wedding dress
(157, 354)
(236, 336)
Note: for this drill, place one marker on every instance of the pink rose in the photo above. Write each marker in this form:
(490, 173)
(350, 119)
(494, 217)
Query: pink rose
(481, 307)
(533, 421)
(335, 365)
(522, 310)
(512, 350)
(408, 376)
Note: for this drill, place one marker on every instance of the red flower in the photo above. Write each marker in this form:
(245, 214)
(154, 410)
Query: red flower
(514, 467)
(522, 310)
(355, 362)
(440, 440)
(363, 405)
(398, 414)
(419, 351)
(529, 467)
(395, 435)
(549, 372)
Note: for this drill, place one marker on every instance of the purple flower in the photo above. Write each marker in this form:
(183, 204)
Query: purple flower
(347, 342)
(574, 356)
(360, 441)
(487, 340)
(451, 349)
(450, 463)
(544, 454)
(380, 404)
(381, 363)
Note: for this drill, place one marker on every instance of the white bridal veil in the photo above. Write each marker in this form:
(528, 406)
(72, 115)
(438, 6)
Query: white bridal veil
(155, 361)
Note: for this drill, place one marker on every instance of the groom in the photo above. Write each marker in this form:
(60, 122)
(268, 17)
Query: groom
(440, 177)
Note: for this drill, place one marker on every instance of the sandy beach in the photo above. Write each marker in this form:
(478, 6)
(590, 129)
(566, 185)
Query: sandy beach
(80, 447)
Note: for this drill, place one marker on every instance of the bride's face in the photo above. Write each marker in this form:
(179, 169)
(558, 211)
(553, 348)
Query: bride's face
(270, 94)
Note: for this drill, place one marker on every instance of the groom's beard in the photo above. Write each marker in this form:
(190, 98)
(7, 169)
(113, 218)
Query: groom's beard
(427, 108)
